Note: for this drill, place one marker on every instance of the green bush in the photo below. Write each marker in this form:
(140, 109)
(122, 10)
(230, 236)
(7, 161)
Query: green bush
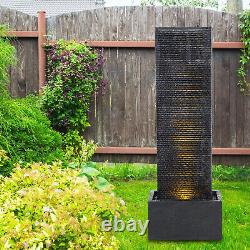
(47, 207)
(73, 76)
(25, 132)
(77, 150)
(5, 163)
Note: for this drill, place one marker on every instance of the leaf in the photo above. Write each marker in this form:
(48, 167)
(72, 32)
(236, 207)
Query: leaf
(90, 172)
(102, 183)
(53, 217)
(73, 165)
(89, 164)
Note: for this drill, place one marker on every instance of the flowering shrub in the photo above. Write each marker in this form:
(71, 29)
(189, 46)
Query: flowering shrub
(73, 75)
(47, 207)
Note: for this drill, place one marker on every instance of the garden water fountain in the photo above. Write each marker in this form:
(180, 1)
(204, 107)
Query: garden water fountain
(184, 207)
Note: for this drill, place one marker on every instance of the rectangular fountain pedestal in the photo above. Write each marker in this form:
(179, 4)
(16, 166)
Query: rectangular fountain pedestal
(185, 220)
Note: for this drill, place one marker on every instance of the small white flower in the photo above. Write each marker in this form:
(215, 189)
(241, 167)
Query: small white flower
(55, 184)
(21, 193)
(122, 202)
(58, 190)
(25, 245)
(47, 209)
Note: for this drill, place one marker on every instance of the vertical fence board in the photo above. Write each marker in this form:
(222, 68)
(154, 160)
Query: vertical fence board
(158, 16)
(221, 90)
(169, 16)
(203, 17)
(118, 101)
(246, 122)
(234, 64)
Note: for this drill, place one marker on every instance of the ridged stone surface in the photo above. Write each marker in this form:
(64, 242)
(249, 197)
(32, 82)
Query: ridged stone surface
(183, 93)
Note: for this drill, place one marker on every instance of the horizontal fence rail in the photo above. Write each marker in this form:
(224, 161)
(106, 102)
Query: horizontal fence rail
(153, 151)
(151, 44)
(24, 34)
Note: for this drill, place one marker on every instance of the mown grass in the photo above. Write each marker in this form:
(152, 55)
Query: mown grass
(236, 216)
(134, 181)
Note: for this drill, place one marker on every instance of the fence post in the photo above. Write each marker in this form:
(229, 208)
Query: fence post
(41, 50)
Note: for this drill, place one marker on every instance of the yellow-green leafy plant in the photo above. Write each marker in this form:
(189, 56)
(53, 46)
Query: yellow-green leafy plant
(48, 207)
(77, 150)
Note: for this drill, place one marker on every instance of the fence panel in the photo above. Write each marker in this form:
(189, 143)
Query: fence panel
(125, 115)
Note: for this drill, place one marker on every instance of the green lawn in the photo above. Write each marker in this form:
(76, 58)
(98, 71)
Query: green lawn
(236, 216)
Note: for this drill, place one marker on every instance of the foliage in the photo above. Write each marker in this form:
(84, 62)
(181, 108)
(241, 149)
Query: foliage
(89, 170)
(47, 207)
(229, 173)
(7, 58)
(94, 176)
(245, 52)
(77, 150)
(5, 163)
(74, 75)
(186, 3)
(25, 132)
(142, 171)
(127, 171)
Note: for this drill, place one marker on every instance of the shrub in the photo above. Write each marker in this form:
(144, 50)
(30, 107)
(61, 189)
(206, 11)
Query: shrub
(74, 74)
(25, 132)
(46, 206)
(5, 163)
(77, 150)
(7, 58)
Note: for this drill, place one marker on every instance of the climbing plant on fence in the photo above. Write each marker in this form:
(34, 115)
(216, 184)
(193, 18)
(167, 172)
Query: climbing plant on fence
(73, 75)
(245, 52)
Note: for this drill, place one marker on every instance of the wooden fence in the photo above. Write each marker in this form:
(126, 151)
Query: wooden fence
(125, 116)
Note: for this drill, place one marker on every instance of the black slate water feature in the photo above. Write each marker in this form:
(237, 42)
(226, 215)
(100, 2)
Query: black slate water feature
(184, 207)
